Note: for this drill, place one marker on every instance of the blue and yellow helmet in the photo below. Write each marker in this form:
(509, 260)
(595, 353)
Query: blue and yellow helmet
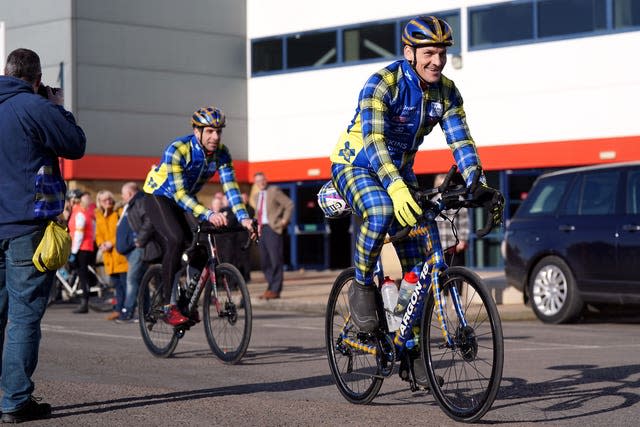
(426, 31)
(208, 116)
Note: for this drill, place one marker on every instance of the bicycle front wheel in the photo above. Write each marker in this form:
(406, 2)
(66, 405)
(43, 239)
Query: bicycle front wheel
(354, 370)
(470, 363)
(227, 314)
(159, 338)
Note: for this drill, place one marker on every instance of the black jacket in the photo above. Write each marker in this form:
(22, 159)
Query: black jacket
(141, 225)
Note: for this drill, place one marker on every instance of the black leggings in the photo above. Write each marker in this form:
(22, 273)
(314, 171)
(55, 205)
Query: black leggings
(85, 259)
(172, 226)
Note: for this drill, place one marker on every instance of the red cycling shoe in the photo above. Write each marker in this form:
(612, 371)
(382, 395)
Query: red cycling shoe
(173, 316)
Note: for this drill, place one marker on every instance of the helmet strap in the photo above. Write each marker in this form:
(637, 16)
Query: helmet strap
(206, 152)
(413, 63)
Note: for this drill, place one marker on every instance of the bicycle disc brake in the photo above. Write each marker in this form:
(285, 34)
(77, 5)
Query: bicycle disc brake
(467, 342)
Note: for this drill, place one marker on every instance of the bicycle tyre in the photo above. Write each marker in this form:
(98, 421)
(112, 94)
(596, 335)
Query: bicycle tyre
(228, 317)
(160, 338)
(351, 369)
(472, 371)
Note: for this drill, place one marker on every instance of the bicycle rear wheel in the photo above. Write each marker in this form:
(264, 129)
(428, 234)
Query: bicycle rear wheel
(102, 296)
(472, 366)
(227, 314)
(160, 338)
(354, 371)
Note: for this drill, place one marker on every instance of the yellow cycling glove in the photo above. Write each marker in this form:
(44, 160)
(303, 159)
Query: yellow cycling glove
(404, 205)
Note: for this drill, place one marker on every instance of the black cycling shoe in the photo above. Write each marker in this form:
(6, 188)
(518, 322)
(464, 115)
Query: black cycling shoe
(362, 304)
(421, 374)
(31, 411)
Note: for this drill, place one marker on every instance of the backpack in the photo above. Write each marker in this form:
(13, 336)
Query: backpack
(125, 236)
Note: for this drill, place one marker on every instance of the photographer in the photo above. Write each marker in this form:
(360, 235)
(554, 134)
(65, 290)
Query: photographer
(35, 132)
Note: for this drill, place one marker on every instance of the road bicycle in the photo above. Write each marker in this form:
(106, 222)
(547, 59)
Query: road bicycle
(226, 304)
(451, 325)
(66, 287)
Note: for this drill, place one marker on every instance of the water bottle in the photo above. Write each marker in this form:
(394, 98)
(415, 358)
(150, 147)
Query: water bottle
(406, 290)
(389, 292)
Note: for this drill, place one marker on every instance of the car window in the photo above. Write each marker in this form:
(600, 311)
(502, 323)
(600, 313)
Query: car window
(594, 194)
(633, 192)
(545, 196)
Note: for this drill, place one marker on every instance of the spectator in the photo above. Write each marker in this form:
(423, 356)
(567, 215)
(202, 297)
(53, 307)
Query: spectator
(35, 131)
(115, 264)
(82, 228)
(73, 198)
(447, 239)
(133, 214)
(273, 212)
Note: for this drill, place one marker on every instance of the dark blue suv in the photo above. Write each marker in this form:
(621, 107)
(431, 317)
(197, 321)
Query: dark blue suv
(576, 240)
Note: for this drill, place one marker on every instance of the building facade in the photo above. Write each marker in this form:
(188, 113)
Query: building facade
(547, 84)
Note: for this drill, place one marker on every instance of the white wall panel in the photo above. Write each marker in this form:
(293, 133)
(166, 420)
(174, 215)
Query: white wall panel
(563, 90)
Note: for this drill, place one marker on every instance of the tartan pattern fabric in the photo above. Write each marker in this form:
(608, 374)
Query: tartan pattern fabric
(392, 119)
(369, 200)
(50, 190)
(185, 169)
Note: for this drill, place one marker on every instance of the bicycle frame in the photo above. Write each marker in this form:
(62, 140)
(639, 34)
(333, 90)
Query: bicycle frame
(72, 283)
(429, 281)
(208, 273)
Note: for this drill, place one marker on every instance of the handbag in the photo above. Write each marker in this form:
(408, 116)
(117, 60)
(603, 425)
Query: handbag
(54, 249)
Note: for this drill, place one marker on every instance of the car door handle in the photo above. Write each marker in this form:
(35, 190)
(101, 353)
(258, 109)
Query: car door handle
(631, 227)
(565, 227)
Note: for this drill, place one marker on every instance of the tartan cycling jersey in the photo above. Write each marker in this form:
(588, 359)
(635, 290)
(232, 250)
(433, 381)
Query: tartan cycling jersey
(392, 119)
(185, 169)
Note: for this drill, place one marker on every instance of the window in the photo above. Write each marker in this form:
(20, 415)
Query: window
(372, 41)
(266, 55)
(633, 193)
(594, 194)
(501, 23)
(626, 13)
(311, 50)
(546, 195)
(560, 17)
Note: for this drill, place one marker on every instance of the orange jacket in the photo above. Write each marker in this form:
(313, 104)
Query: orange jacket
(114, 262)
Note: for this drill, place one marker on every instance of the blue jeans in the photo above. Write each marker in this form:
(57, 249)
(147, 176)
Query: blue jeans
(137, 268)
(119, 283)
(24, 292)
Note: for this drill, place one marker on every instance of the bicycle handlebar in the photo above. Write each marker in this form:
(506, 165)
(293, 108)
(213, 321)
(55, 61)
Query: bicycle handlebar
(208, 228)
(453, 196)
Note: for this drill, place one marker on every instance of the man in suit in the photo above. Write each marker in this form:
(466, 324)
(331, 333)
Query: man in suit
(273, 212)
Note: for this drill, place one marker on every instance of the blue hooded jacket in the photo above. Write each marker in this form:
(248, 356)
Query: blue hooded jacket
(34, 132)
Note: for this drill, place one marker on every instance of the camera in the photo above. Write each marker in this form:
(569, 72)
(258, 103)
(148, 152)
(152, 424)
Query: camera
(42, 90)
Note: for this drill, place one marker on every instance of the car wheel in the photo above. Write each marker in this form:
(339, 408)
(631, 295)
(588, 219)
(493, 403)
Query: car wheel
(553, 291)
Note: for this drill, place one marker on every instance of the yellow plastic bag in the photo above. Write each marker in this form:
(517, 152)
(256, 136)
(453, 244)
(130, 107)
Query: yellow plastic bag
(54, 248)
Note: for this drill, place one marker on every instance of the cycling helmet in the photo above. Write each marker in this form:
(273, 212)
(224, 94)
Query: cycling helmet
(427, 30)
(208, 116)
(331, 203)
